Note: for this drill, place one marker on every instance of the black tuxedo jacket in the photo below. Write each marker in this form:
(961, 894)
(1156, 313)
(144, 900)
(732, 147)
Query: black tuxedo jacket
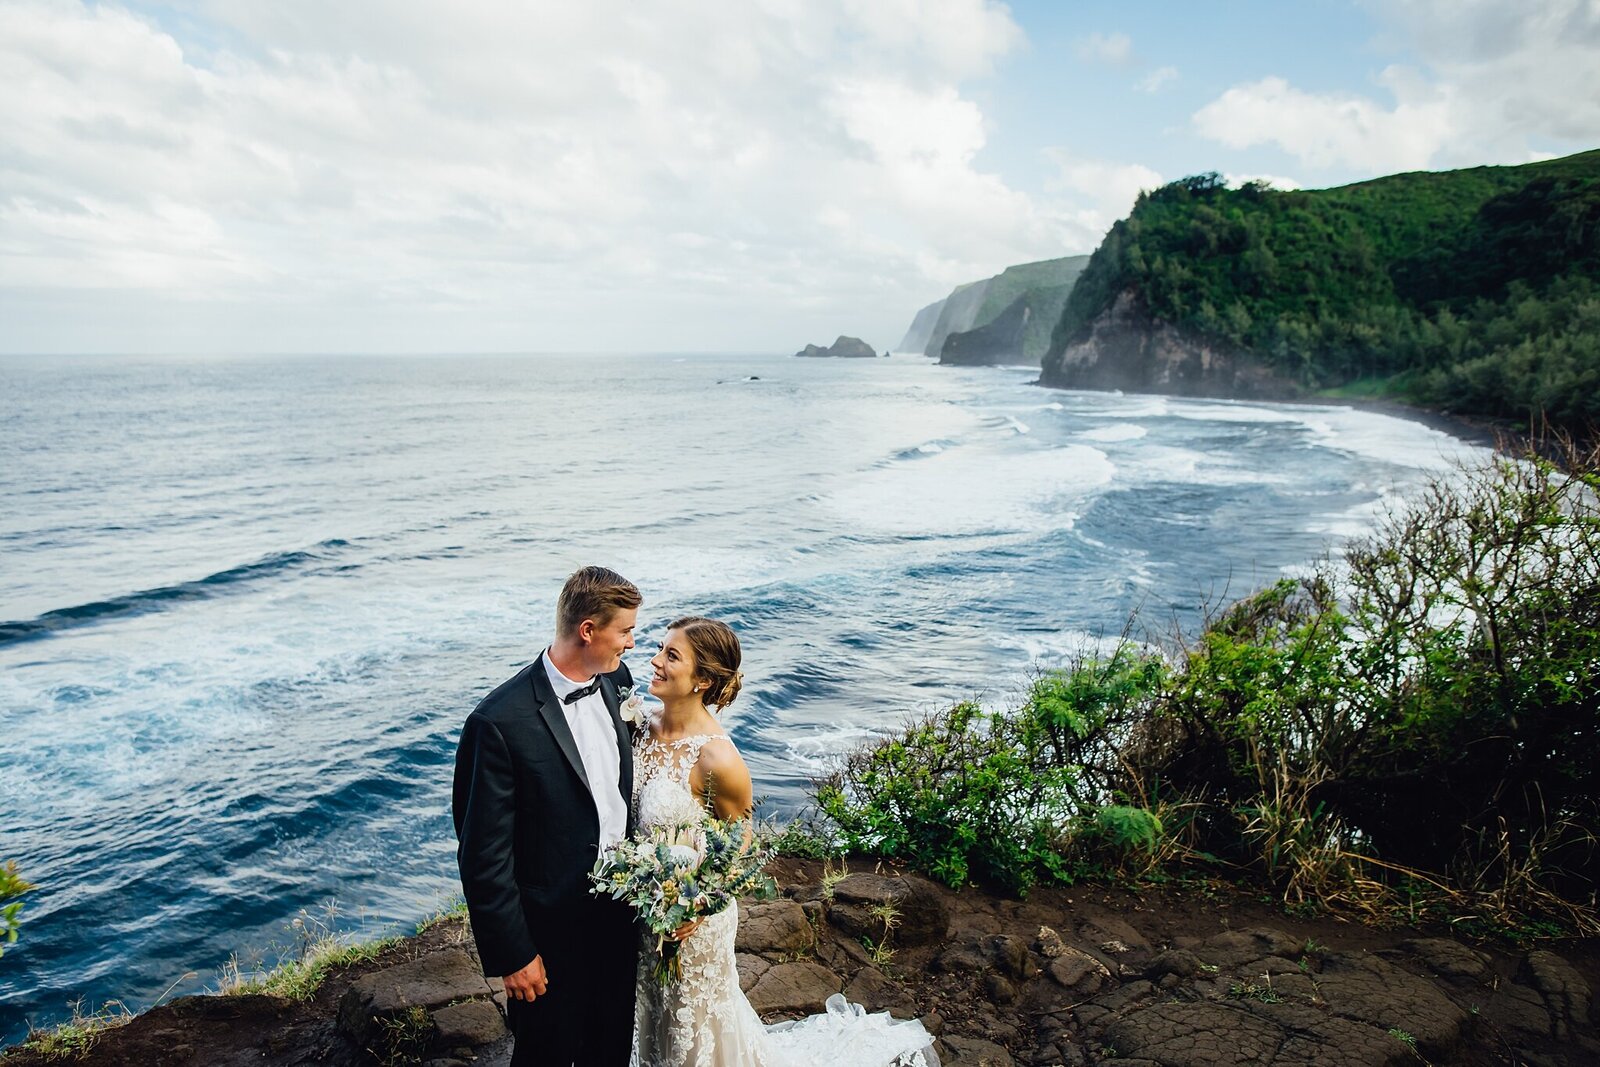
(525, 818)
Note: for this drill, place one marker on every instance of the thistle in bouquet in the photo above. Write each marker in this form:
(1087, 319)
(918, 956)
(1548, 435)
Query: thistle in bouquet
(672, 875)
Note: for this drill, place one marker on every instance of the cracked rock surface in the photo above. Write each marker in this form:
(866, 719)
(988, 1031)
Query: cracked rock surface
(1071, 977)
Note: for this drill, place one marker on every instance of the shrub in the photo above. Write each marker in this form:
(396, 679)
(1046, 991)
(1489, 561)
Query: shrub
(961, 794)
(1428, 705)
(966, 794)
(1128, 828)
(1419, 720)
(1259, 721)
(1480, 609)
(11, 887)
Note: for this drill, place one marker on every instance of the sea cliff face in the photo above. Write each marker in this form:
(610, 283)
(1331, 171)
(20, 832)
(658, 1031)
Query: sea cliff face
(998, 342)
(939, 330)
(1124, 347)
(920, 333)
(959, 312)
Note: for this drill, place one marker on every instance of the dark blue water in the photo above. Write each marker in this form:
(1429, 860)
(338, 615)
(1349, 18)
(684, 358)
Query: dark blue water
(246, 604)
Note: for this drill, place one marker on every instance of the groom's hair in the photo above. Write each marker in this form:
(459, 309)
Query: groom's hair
(593, 593)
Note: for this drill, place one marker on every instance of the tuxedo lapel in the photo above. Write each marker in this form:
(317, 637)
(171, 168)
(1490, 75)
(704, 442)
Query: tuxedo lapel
(613, 699)
(555, 717)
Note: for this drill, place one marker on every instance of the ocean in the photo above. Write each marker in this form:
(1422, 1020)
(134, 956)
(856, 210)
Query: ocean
(245, 604)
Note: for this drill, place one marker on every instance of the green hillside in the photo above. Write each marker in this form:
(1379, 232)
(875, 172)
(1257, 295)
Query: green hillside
(1475, 290)
(1012, 282)
(1044, 286)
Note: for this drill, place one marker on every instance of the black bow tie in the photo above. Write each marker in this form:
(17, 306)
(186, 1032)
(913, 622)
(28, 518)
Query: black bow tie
(582, 691)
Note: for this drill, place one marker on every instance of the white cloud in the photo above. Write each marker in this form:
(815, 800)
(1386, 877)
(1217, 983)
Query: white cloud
(1527, 70)
(1153, 81)
(964, 37)
(1277, 181)
(917, 151)
(1105, 191)
(1113, 48)
(1495, 84)
(1331, 129)
(519, 176)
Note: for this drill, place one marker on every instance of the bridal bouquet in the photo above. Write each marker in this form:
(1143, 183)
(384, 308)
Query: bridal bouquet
(674, 875)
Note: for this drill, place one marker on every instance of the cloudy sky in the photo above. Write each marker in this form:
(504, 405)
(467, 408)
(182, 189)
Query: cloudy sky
(740, 175)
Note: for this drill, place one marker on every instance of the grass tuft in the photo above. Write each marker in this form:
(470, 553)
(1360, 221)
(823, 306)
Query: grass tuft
(455, 908)
(317, 953)
(73, 1039)
(832, 876)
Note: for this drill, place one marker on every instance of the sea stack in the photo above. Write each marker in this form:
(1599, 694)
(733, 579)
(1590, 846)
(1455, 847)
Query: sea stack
(843, 348)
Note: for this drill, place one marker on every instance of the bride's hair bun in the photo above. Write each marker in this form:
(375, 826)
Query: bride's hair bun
(716, 657)
(729, 689)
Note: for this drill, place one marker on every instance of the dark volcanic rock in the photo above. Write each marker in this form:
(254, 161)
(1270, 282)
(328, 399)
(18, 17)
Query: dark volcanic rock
(1125, 348)
(973, 1052)
(1175, 961)
(1148, 980)
(1236, 947)
(1448, 959)
(962, 957)
(750, 968)
(1225, 1035)
(468, 1024)
(1079, 972)
(431, 982)
(1008, 954)
(1373, 991)
(792, 989)
(776, 928)
(921, 915)
(1565, 992)
(844, 348)
(996, 342)
(875, 991)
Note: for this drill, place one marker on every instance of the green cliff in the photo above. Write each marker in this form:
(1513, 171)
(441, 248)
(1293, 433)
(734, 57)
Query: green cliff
(1042, 287)
(1475, 290)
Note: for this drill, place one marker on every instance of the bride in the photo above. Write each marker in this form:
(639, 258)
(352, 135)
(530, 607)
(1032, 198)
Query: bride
(686, 769)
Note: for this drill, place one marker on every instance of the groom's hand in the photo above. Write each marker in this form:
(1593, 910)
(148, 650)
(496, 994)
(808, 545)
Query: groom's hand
(528, 983)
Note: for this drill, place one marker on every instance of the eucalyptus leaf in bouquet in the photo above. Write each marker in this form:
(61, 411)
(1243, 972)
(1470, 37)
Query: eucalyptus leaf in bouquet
(672, 875)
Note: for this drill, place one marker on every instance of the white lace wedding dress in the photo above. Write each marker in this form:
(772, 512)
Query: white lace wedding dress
(703, 1019)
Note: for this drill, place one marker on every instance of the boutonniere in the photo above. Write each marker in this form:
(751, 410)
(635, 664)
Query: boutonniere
(630, 706)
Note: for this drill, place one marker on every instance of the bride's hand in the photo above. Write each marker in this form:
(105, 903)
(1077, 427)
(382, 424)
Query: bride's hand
(682, 933)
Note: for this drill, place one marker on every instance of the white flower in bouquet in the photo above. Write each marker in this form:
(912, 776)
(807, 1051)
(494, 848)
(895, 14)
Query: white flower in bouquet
(687, 845)
(631, 709)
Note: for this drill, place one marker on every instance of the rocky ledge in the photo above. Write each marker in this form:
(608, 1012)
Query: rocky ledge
(1077, 976)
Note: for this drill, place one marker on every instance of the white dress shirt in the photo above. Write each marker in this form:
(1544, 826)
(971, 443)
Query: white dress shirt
(590, 722)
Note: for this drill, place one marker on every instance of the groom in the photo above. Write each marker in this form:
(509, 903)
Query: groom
(543, 776)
